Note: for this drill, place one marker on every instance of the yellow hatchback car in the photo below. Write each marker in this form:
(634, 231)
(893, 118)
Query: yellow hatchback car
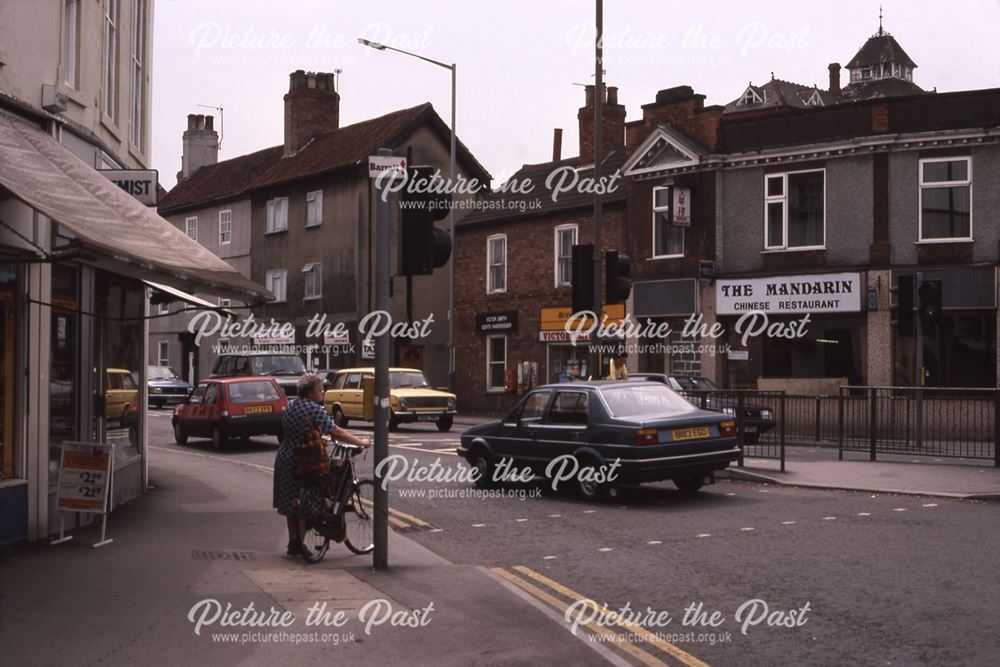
(411, 398)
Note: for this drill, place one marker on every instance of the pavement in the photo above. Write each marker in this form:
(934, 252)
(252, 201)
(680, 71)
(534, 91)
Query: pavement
(204, 538)
(819, 468)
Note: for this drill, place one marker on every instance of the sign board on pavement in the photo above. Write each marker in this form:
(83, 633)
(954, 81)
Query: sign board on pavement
(84, 477)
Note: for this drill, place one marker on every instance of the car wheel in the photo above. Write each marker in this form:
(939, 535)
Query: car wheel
(339, 418)
(218, 439)
(180, 437)
(444, 423)
(594, 491)
(483, 463)
(690, 484)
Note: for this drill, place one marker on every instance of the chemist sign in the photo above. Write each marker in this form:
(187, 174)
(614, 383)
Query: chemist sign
(140, 183)
(790, 295)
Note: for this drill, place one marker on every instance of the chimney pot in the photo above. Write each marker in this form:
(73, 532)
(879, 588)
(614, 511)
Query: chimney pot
(834, 78)
(612, 95)
(557, 144)
(192, 121)
(209, 122)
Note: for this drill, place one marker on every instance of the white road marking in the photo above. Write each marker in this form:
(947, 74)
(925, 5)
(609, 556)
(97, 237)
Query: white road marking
(589, 511)
(703, 535)
(863, 514)
(604, 549)
(747, 529)
(899, 509)
(930, 504)
(654, 542)
(520, 520)
(555, 516)
(829, 518)
(730, 494)
(478, 525)
(436, 530)
(787, 523)
(549, 557)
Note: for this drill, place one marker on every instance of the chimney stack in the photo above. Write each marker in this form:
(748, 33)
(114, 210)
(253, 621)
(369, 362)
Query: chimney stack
(200, 144)
(613, 121)
(557, 144)
(834, 78)
(312, 107)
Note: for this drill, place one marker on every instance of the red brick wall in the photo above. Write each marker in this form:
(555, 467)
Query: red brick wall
(530, 287)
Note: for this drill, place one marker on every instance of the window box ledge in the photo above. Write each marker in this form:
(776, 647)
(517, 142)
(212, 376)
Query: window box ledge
(808, 248)
(942, 241)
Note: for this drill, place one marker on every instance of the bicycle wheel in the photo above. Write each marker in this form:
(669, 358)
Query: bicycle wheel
(314, 545)
(360, 517)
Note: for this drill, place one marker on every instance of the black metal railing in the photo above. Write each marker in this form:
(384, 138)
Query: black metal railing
(760, 418)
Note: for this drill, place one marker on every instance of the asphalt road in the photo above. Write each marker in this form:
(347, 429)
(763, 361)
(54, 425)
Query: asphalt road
(863, 579)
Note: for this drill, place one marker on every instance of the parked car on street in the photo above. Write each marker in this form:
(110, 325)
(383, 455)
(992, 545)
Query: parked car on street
(702, 392)
(654, 433)
(225, 408)
(286, 368)
(166, 387)
(411, 398)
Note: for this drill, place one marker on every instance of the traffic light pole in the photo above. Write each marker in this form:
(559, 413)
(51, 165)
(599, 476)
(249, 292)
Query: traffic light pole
(380, 557)
(919, 361)
(598, 121)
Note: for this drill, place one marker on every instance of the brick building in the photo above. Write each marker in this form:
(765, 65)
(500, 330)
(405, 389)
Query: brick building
(299, 218)
(513, 256)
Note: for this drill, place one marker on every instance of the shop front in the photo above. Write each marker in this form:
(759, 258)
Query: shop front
(662, 310)
(809, 330)
(74, 252)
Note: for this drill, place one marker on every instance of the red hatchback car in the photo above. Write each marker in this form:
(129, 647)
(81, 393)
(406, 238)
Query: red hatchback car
(223, 408)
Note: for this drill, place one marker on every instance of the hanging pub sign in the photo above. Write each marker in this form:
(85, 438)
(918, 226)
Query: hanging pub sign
(487, 323)
(680, 206)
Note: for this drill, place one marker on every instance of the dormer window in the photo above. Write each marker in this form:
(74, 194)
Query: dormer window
(866, 73)
(749, 97)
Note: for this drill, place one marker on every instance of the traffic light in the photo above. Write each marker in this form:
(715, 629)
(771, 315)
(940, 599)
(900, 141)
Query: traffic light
(422, 246)
(929, 293)
(616, 269)
(904, 306)
(583, 277)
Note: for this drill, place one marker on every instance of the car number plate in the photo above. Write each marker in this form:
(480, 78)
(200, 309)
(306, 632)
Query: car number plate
(427, 418)
(257, 409)
(750, 429)
(689, 433)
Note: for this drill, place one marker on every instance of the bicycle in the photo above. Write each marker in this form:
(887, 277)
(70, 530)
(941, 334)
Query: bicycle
(338, 508)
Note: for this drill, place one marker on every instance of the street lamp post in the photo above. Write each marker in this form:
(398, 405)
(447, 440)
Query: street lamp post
(451, 213)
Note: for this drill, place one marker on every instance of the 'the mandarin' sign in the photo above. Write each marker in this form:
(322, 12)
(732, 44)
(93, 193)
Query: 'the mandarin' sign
(825, 293)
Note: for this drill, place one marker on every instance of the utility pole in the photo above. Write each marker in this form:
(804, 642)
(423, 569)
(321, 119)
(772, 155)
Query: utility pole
(919, 360)
(598, 121)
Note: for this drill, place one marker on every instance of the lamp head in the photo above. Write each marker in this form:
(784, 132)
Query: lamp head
(374, 45)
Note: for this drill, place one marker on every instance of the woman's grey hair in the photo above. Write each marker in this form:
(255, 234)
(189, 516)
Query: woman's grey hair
(307, 383)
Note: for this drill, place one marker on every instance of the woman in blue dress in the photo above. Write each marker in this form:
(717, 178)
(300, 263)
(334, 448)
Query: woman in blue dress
(301, 415)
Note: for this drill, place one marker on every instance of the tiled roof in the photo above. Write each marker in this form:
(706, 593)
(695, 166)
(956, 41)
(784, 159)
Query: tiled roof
(890, 87)
(327, 152)
(220, 181)
(880, 48)
(511, 202)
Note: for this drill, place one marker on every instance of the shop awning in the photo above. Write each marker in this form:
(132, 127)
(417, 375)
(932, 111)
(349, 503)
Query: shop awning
(130, 238)
(189, 298)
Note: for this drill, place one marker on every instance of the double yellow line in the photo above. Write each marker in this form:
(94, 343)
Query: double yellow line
(527, 580)
(399, 519)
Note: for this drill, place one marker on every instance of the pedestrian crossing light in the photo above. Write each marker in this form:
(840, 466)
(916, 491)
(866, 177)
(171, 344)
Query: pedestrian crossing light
(930, 303)
(422, 246)
(618, 285)
(582, 279)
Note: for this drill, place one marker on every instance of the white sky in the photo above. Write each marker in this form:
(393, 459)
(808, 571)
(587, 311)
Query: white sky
(518, 60)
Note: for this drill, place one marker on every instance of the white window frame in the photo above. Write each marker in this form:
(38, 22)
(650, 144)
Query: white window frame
(783, 200)
(490, 287)
(314, 208)
(138, 71)
(312, 271)
(109, 63)
(191, 224)
(942, 184)
(225, 227)
(224, 302)
(490, 363)
(282, 275)
(657, 210)
(163, 353)
(277, 215)
(71, 43)
(575, 229)
(749, 98)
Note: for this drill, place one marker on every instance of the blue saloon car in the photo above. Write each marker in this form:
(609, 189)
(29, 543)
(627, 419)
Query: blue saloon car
(639, 431)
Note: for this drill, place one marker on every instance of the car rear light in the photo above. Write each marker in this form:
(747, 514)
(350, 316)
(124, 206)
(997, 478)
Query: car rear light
(727, 429)
(646, 436)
